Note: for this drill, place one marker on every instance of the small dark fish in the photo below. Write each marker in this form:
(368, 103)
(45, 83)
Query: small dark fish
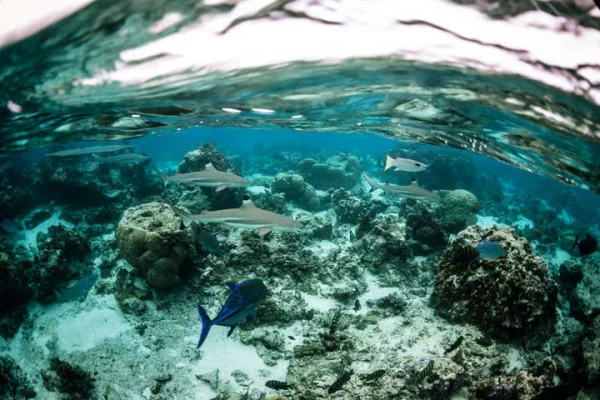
(291, 337)
(242, 302)
(424, 232)
(277, 385)
(357, 305)
(465, 254)
(586, 246)
(335, 321)
(454, 345)
(78, 291)
(340, 382)
(9, 226)
(557, 393)
(209, 242)
(489, 250)
(310, 314)
(484, 341)
(374, 375)
(422, 369)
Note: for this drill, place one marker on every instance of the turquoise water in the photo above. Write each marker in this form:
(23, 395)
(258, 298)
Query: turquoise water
(196, 222)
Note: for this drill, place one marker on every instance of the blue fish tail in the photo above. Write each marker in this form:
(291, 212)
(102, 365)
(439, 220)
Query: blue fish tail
(206, 324)
(576, 241)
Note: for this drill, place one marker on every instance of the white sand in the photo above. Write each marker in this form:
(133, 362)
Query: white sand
(30, 235)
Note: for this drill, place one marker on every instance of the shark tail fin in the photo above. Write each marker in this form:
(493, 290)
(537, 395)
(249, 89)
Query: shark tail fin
(575, 243)
(370, 182)
(388, 162)
(162, 176)
(206, 325)
(185, 216)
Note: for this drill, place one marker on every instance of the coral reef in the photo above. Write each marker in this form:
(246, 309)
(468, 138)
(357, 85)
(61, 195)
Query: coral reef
(458, 209)
(70, 380)
(206, 153)
(510, 294)
(351, 209)
(13, 382)
(14, 293)
(150, 238)
(338, 171)
(591, 352)
(424, 231)
(297, 191)
(585, 298)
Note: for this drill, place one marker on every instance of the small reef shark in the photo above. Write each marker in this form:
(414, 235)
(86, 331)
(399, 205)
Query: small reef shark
(242, 302)
(209, 176)
(247, 216)
(412, 191)
(127, 158)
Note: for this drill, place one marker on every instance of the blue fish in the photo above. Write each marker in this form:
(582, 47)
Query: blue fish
(489, 250)
(209, 242)
(242, 302)
(78, 291)
(9, 226)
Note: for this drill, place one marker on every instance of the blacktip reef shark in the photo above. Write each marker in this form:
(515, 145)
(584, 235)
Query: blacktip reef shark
(412, 191)
(209, 177)
(247, 216)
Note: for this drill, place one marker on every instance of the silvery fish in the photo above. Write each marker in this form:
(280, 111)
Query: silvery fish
(242, 302)
(89, 150)
(209, 177)
(489, 250)
(412, 191)
(404, 164)
(78, 291)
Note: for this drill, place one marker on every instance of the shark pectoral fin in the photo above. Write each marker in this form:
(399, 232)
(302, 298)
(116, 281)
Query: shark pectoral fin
(222, 187)
(263, 231)
(230, 285)
(231, 330)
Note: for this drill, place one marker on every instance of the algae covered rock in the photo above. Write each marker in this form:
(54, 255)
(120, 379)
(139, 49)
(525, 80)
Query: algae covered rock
(591, 352)
(585, 299)
(458, 209)
(510, 294)
(206, 153)
(351, 209)
(296, 190)
(338, 171)
(150, 238)
(14, 384)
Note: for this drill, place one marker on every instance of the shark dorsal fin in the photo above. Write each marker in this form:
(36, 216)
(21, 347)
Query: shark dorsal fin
(414, 183)
(247, 204)
(209, 166)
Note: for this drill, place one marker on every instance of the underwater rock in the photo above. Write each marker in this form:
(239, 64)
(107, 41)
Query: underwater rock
(585, 302)
(319, 228)
(591, 352)
(13, 382)
(70, 380)
(424, 230)
(14, 293)
(458, 209)
(511, 293)
(351, 209)
(130, 291)
(269, 344)
(61, 255)
(338, 171)
(204, 154)
(297, 191)
(19, 195)
(391, 305)
(150, 238)
(37, 218)
(274, 202)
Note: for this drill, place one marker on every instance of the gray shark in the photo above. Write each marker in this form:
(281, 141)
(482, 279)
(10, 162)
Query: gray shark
(247, 216)
(209, 176)
(412, 191)
(89, 150)
(126, 158)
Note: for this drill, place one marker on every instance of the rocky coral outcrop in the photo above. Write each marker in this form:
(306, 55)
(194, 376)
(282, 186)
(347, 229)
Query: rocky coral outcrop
(509, 294)
(591, 352)
(351, 209)
(458, 209)
(14, 384)
(150, 238)
(338, 171)
(14, 292)
(206, 153)
(424, 231)
(585, 298)
(296, 190)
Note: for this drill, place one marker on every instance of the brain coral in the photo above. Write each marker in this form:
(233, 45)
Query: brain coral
(509, 294)
(458, 209)
(150, 238)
